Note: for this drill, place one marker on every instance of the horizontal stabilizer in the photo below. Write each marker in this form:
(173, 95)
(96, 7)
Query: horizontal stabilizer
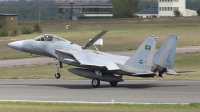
(92, 41)
(171, 72)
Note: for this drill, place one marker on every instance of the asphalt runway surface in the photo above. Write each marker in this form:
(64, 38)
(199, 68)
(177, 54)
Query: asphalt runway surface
(45, 60)
(131, 91)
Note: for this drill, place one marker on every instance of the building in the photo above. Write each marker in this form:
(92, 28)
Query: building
(9, 21)
(150, 12)
(84, 10)
(166, 8)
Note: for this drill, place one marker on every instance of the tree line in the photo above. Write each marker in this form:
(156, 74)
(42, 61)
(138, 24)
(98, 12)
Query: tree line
(124, 8)
(29, 11)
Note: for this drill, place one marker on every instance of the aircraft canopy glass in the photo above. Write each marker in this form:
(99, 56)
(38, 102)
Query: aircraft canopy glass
(49, 37)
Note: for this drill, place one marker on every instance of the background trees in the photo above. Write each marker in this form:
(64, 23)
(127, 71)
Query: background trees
(124, 8)
(177, 13)
(28, 11)
(198, 12)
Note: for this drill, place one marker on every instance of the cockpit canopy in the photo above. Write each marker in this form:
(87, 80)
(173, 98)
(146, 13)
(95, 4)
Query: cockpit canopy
(49, 37)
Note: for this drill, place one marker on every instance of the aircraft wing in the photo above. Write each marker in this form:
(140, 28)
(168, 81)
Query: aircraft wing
(88, 57)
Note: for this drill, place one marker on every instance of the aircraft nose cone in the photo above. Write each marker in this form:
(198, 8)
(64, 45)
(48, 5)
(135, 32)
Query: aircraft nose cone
(16, 45)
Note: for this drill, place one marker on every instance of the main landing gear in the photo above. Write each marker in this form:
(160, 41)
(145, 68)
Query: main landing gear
(58, 66)
(96, 82)
(99, 76)
(113, 83)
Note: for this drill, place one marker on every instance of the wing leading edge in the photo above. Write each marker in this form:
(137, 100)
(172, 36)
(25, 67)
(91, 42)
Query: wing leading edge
(87, 57)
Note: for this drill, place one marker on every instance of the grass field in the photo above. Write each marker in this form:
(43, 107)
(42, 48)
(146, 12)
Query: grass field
(188, 64)
(73, 107)
(124, 34)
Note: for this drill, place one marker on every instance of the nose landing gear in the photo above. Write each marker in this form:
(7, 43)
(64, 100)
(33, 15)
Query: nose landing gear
(57, 75)
(58, 66)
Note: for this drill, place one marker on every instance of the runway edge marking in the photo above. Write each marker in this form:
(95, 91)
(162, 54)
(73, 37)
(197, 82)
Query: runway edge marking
(85, 102)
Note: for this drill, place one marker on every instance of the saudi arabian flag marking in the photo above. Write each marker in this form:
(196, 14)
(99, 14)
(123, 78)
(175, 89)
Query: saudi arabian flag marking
(147, 47)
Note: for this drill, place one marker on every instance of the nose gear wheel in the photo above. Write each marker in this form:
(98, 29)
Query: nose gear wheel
(57, 75)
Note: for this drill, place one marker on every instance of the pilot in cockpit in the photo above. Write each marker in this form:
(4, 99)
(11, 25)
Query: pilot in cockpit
(48, 38)
(42, 38)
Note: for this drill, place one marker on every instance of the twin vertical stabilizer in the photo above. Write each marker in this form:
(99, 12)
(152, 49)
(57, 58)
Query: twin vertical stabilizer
(143, 54)
(164, 57)
(145, 57)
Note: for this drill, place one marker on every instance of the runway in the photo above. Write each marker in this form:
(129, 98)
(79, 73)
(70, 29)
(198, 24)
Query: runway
(131, 91)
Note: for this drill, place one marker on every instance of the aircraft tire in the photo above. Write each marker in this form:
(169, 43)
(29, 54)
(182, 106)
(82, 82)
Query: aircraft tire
(113, 83)
(57, 75)
(95, 82)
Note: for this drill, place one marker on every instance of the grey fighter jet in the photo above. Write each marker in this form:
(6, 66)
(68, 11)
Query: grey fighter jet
(100, 66)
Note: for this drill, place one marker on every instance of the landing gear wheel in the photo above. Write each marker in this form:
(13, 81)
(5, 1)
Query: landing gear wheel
(95, 82)
(58, 65)
(57, 75)
(113, 83)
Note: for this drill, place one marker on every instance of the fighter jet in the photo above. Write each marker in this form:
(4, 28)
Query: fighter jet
(101, 66)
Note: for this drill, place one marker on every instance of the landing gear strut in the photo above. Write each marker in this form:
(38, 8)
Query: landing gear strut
(58, 66)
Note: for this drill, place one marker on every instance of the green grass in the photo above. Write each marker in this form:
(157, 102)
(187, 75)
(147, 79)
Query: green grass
(36, 72)
(74, 107)
(124, 34)
(188, 64)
